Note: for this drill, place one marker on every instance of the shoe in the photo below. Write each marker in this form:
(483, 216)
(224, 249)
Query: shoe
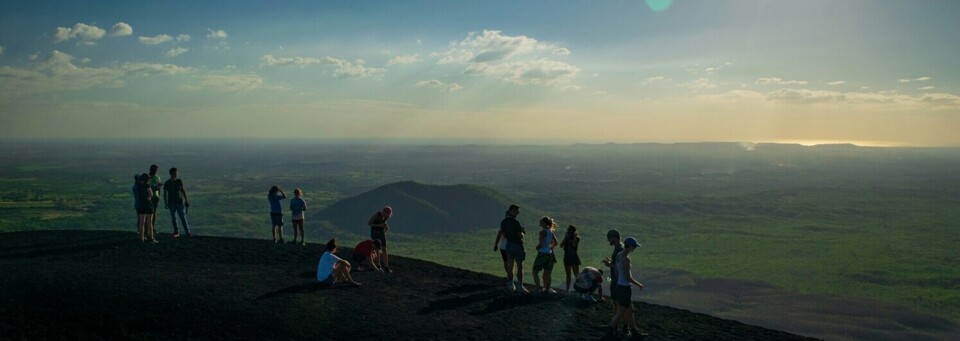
(387, 269)
(281, 241)
(510, 286)
(176, 235)
(303, 243)
(189, 235)
(522, 290)
(549, 291)
(154, 241)
(354, 284)
(636, 334)
(274, 241)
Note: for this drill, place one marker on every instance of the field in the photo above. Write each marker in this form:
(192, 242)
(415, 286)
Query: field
(877, 224)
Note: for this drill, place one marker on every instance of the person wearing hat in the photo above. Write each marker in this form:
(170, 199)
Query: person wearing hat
(613, 236)
(622, 295)
(378, 231)
(367, 253)
(332, 268)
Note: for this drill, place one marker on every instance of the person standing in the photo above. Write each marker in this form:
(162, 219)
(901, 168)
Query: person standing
(175, 200)
(332, 268)
(513, 231)
(378, 231)
(613, 236)
(571, 259)
(276, 211)
(501, 245)
(145, 208)
(624, 296)
(156, 184)
(545, 257)
(297, 207)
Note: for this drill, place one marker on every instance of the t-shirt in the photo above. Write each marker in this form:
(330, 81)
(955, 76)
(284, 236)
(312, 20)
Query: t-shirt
(297, 206)
(155, 183)
(274, 199)
(588, 277)
(327, 263)
(364, 248)
(172, 192)
(613, 269)
(141, 192)
(511, 229)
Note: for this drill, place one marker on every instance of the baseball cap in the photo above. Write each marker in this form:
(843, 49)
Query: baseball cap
(630, 241)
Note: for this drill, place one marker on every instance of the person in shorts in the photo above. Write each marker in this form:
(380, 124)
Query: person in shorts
(156, 184)
(514, 232)
(589, 280)
(571, 259)
(276, 211)
(501, 245)
(332, 269)
(297, 207)
(623, 296)
(545, 257)
(378, 231)
(366, 255)
(143, 195)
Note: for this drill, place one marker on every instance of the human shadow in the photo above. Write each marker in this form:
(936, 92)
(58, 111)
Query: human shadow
(297, 289)
(456, 302)
(512, 301)
(466, 288)
(62, 250)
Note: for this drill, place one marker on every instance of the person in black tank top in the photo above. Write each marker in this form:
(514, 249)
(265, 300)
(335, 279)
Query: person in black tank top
(378, 231)
(571, 259)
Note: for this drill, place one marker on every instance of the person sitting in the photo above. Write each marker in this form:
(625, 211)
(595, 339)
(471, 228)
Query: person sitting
(332, 268)
(589, 280)
(367, 255)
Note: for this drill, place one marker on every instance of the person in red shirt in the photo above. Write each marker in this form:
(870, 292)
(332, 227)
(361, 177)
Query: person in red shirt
(367, 255)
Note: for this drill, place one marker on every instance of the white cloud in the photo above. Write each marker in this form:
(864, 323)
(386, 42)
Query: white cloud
(419, 42)
(563, 51)
(845, 101)
(864, 87)
(700, 83)
(436, 84)
(711, 70)
(343, 68)
(86, 34)
(599, 92)
(921, 79)
(836, 83)
(904, 80)
(927, 88)
(176, 51)
(156, 40)
(85, 61)
(218, 34)
(514, 59)
(121, 29)
(58, 73)
(231, 83)
(778, 81)
(184, 37)
(653, 79)
(402, 60)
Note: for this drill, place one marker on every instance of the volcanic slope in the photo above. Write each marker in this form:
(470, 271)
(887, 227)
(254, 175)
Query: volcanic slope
(106, 284)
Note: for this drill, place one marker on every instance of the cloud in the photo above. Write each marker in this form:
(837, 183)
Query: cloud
(836, 83)
(342, 69)
(218, 34)
(121, 29)
(927, 88)
(922, 79)
(184, 37)
(402, 60)
(160, 39)
(231, 83)
(86, 34)
(563, 51)
(436, 84)
(58, 73)
(653, 79)
(711, 70)
(778, 81)
(514, 59)
(904, 80)
(1, 50)
(176, 51)
(701, 83)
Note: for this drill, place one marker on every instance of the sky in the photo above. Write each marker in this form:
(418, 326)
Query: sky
(875, 72)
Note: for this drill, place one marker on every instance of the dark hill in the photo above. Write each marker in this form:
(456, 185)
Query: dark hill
(421, 208)
(87, 285)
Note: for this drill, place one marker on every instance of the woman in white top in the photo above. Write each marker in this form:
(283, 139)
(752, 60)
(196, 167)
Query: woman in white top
(332, 268)
(545, 257)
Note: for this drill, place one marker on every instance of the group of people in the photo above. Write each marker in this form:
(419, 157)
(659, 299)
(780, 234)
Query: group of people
(370, 254)
(510, 244)
(297, 208)
(148, 188)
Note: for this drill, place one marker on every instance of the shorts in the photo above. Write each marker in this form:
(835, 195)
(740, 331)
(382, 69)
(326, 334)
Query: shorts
(156, 202)
(147, 210)
(622, 295)
(544, 261)
(516, 252)
(592, 288)
(330, 280)
(503, 254)
(380, 235)
(571, 258)
(276, 219)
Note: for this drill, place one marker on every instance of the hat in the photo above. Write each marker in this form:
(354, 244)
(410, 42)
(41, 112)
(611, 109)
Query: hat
(388, 210)
(376, 243)
(613, 233)
(630, 241)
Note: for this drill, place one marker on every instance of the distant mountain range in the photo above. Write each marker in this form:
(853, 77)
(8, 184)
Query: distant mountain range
(421, 208)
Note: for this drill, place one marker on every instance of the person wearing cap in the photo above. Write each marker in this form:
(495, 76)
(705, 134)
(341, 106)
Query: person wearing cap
(367, 253)
(622, 295)
(613, 237)
(513, 232)
(589, 280)
(332, 268)
(378, 231)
